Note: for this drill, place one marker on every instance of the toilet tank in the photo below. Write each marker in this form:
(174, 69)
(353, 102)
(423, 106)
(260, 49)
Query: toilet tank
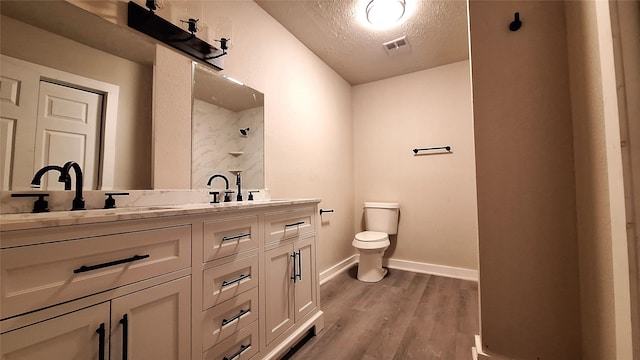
(382, 217)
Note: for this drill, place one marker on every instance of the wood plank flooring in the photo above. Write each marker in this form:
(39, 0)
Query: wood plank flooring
(405, 316)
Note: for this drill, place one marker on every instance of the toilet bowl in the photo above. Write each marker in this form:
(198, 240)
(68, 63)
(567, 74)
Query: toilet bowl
(381, 220)
(371, 245)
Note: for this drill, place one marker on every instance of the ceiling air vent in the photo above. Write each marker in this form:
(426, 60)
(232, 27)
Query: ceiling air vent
(397, 46)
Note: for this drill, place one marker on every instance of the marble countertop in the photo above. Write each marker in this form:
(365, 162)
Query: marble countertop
(22, 221)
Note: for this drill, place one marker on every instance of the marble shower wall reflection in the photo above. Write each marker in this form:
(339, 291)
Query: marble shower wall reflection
(220, 148)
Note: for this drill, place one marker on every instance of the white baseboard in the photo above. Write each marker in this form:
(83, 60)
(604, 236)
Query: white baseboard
(480, 354)
(432, 269)
(336, 269)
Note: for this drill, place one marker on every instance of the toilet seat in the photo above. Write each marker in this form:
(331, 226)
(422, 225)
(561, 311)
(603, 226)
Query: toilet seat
(372, 236)
(370, 240)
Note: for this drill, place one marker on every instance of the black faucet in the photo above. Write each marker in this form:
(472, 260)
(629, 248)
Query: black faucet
(226, 181)
(78, 201)
(37, 178)
(239, 197)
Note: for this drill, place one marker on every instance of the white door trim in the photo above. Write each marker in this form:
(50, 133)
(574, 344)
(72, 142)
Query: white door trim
(110, 109)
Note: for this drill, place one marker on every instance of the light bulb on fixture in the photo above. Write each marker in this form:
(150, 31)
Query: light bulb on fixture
(385, 12)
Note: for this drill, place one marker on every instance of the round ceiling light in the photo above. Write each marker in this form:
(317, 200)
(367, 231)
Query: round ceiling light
(385, 12)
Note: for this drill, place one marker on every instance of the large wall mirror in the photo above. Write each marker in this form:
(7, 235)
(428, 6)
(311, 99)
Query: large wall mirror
(66, 38)
(73, 50)
(227, 131)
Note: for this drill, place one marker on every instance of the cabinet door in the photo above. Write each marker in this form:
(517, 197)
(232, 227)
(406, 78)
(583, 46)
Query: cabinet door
(73, 336)
(279, 311)
(305, 284)
(153, 323)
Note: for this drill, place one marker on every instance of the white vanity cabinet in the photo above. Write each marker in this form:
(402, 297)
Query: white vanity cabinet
(153, 323)
(290, 286)
(253, 307)
(291, 282)
(115, 290)
(236, 281)
(149, 324)
(83, 334)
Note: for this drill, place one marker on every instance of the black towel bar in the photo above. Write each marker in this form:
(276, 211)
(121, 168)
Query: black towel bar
(448, 148)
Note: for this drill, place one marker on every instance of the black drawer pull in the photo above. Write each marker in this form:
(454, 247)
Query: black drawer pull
(84, 268)
(293, 277)
(238, 279)
(243, 348)
(235, 317)
(294, 224)
(299, 275)
(125, 336)
(101, 336)
(234, 237)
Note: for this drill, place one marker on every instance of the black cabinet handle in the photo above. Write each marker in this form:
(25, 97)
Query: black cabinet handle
(235, 317)
(101, 335)
(85, 268)
(293, 255)
(125, 336)
(294, 224)
(243, 348)
(299, 265)
(238, 279)
(234, 237)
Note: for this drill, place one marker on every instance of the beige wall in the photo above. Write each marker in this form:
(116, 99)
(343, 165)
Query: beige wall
(308, 150)
(529, 280)
(604, 265)
(436, 192)
(171, 120)
(133, 152)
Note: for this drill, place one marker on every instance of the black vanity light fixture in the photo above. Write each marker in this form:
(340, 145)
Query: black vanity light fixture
(147, 22)
(152, 5)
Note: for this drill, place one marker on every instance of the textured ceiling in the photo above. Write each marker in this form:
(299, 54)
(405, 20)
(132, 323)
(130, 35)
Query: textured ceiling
(337, 33)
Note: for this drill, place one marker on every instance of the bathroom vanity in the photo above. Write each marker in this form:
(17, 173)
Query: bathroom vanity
(197, 281)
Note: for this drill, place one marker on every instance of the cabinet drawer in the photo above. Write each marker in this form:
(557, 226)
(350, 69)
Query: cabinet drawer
(289, 224)
(223, 282)
(229, 236)
(37, 276)
(241, 345)
(224, 319)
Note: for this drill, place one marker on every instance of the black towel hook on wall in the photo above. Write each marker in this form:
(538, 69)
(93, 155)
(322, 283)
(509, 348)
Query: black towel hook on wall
(516, 23)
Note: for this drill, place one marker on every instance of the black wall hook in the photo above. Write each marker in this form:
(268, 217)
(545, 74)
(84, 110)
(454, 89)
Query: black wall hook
(516, 23)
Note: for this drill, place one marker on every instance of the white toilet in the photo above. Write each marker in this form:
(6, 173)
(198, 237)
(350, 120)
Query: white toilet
(381, 220)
